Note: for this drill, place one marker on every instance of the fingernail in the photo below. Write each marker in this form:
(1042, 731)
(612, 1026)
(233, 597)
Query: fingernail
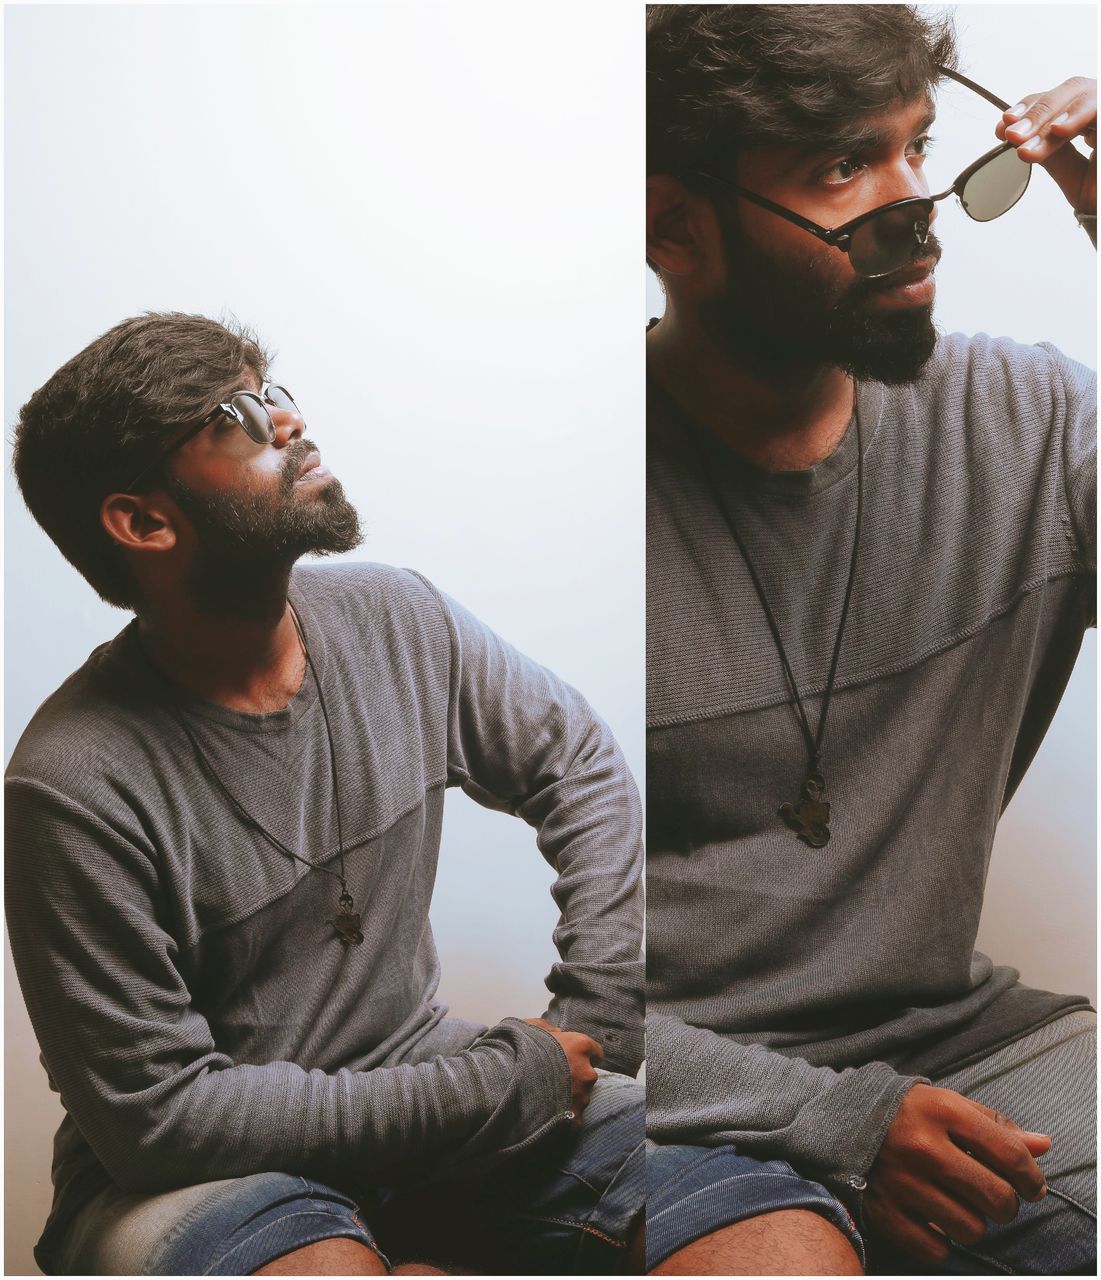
(1062, 119)
(1018, 110)
(1022, 128)
(1033, 144)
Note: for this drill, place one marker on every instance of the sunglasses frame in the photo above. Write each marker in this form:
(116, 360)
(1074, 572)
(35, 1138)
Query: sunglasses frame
(227, 409)
(841, 237)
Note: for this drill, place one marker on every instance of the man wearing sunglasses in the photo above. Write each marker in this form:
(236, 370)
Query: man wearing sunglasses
(222, 834)
(870, 560)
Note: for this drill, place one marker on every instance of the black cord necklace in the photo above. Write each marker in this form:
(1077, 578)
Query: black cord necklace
(809, 816)
(347, 922)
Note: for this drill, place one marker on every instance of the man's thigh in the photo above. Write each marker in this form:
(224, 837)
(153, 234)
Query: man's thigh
(693, 1192)
(567, 1206)
(1045, 1082)
(231, 1227)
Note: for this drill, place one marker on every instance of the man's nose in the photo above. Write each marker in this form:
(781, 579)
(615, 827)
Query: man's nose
(289, 426)
(906, 183)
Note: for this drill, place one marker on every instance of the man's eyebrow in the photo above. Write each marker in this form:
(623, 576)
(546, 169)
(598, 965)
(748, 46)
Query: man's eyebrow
(862, 139)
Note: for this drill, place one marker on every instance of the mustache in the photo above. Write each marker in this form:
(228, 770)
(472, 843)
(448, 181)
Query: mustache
(931, 249)
(296, 454)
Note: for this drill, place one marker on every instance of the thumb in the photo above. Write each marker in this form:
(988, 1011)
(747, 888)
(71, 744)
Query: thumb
(1071, 171)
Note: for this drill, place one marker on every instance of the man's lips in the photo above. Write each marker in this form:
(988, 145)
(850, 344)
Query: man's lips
(917, 272)
(313, 461)
(911, 287)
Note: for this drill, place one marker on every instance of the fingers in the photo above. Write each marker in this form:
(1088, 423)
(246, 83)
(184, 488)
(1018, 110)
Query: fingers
(584, 1078)
(921, 1241)
(999, 1144)
(958, 1221)
(925, 1202)
(595, 1052)
(973, 1184)
(1042, 123)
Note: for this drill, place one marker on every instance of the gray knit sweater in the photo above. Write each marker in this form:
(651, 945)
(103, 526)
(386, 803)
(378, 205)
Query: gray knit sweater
(795, 994)
(195, 1008)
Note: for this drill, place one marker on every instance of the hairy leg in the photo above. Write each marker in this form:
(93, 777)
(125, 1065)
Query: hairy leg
(336, 1257)
(788, 1242)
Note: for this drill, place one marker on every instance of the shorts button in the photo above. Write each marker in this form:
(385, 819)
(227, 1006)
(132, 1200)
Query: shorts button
(569, 1115)
(857, 1182)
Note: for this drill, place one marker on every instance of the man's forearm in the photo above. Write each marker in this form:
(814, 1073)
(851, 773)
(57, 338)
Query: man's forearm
(701, 1087)
(211, 1120)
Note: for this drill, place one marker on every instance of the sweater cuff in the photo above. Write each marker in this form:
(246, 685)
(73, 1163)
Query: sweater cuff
(872, 1098)
(604, 1001)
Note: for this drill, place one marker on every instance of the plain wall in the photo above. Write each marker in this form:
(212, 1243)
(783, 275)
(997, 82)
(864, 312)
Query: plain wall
(1030, 275)
(432, 212)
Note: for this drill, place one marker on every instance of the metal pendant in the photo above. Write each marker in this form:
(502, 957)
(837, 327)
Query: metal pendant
(347, 922)
(809, 817)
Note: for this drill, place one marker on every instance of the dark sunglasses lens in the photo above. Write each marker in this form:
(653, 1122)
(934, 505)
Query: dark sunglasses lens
(888, 242)
(996, 187)
(254, 417)
(281, 398)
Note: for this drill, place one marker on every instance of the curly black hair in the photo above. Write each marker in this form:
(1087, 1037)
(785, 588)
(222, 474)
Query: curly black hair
(724, 77)
(107, 412)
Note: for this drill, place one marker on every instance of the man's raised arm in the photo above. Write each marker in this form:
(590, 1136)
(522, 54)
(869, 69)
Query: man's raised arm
(523, 741)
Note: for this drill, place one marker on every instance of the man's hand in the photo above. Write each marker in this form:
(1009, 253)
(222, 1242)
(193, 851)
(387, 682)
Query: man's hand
(583, 1054)
(1042, 124)
(947, 1165)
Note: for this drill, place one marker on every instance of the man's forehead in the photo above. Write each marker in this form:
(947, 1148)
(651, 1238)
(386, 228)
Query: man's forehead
(901, 120)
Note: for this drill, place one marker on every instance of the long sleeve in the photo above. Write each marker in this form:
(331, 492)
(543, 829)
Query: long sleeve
(1074, 392)
(137, 1067)
(703, 1088)
(524, 742)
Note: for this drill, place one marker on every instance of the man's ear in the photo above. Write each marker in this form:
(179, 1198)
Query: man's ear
(138, 522)
(676, 236)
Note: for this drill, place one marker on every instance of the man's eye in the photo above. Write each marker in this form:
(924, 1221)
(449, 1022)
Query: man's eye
(843, 171)
(921, 145)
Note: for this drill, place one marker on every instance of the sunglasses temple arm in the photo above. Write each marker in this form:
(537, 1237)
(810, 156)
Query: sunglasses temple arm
(976, 88)
(821, 232)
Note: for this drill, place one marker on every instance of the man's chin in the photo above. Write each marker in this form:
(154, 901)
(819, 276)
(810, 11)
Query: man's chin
(892, 346)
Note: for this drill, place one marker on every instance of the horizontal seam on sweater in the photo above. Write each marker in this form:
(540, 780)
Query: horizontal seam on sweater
(878, 673)
(38, 785)
(363, 840)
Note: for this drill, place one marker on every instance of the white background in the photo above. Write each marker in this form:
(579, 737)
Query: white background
(1030, 275)
(433, 211)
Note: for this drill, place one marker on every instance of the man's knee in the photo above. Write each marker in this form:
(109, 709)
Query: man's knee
(335, 1257)
(786, 1242)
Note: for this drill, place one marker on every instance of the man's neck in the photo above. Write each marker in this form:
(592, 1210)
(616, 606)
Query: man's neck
(784, 426)
(253, 663)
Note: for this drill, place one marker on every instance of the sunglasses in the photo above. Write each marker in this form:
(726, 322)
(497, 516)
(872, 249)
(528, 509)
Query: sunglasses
(249, 409)
(886, 239)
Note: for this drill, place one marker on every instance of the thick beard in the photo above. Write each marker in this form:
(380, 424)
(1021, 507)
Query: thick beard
(247, 542)
(779, 321)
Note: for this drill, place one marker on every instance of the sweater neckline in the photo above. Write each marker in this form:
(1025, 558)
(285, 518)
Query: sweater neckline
(750, 476)
(304, 699)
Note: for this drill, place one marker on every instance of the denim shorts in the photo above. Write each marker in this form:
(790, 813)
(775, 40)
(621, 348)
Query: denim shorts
(693, 1191)
(566, 1206)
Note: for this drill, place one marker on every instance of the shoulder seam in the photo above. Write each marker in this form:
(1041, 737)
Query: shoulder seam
(877, 673)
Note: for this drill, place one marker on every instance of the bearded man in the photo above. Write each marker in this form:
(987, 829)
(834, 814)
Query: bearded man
(222, 834)
(871, 559)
